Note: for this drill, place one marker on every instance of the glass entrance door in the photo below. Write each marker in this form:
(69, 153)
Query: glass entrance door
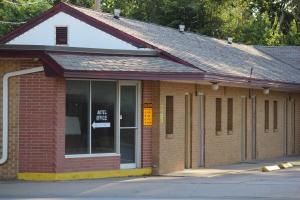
(128, 124)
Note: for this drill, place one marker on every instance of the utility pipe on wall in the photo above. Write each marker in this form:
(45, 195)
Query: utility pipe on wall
(5, 98)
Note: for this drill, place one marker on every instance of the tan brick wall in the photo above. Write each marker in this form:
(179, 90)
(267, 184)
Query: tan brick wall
(156, 127)
(171, 149)
(10, 168)
(224, 148)
(196, 131)
(270, 144)
(291, 125)
(297, 123)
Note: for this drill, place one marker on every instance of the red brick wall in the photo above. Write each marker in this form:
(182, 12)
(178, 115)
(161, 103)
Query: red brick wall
(147, 93)
(37, 123)
(42, 125)
(87, 164)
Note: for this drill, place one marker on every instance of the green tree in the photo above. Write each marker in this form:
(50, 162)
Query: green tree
(265, 22)
(19, 12)
(83, 3)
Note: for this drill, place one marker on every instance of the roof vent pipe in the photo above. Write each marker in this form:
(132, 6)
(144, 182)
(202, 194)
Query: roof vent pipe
(117, 13)
(229, 40)
(181, 28)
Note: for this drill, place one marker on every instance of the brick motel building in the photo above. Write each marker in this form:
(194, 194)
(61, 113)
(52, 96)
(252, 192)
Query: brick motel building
(88, 94)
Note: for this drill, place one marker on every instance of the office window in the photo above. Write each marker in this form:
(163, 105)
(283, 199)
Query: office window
(103, 110)
(266, 115)
(90, 117)
(230, 115)
(77, 117)
(218, 115)
(169, 114)
(61, 35)
(275, 117)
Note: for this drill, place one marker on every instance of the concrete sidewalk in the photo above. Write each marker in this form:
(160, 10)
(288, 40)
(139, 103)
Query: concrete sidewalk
(242, 167)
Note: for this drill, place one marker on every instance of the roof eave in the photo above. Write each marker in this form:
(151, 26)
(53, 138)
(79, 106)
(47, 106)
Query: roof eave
(61, 49)
(132, 75)
(53, 69)
(252, 82)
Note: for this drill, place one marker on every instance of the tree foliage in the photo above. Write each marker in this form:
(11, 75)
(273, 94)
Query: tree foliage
(263, 22)
(19, 13)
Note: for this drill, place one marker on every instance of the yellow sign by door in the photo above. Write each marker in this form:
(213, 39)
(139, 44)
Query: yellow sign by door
(148, 116)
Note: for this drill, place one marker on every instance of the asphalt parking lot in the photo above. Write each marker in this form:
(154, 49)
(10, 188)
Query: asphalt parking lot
(282, 184)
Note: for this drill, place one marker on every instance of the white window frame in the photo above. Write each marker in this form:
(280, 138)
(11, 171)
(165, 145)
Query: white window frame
(138, 142)
(117, 125)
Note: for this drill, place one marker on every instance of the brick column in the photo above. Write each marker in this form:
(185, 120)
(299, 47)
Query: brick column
(147, 98)
(156, 126)
(37, 123)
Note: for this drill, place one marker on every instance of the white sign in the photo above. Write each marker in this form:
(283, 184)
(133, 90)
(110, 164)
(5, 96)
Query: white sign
(101, 120)
(101, 125)
(101, 115)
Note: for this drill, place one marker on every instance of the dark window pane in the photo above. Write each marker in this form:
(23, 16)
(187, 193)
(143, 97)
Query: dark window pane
(275, 123)
(128, 106)
(230, 114)
(103, 116)
(169, 114)
(266, 115)
(77, 109)
(127, 138)
(218, 115)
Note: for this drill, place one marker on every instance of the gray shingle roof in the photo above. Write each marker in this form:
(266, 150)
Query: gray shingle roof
(208, 54)
(287, 54)
(82, 62)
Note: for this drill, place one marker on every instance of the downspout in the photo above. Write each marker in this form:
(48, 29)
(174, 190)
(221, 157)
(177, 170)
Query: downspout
(5, 97)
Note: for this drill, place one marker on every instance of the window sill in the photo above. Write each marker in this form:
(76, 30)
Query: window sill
(169, 136)
(62, 45)
(92, 155)
(266, 130)
(229, 132)
(218, 133)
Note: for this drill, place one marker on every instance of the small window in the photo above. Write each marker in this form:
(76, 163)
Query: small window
(169, 114)
(266, 115)
(61, 35)
(218, 115)
(230, 115)
(275, 118)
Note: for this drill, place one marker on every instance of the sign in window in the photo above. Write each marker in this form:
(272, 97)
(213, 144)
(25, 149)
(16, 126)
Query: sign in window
(90, 117)
(148, 114)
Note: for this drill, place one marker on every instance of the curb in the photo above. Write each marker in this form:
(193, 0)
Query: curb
(279, 166)
(270, 168)
(295, 163)
(285, 165)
